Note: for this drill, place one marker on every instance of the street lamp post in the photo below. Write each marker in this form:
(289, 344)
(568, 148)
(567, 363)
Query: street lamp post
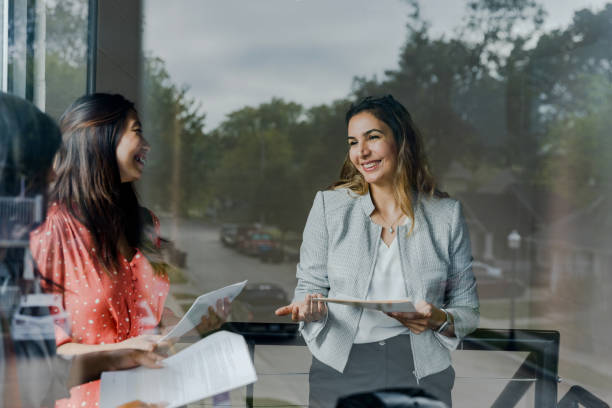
(514, 243)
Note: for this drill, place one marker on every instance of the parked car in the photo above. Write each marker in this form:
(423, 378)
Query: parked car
(263, 242)
(36, 317)
(228, 234)
(492, 284)
(270, 249)
(258, 301)
(243, 234)
(259, 243)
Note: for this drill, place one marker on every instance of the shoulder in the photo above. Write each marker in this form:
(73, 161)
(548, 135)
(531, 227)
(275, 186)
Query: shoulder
(337, 200)
(442, 210)
(59, 230)
(50, 241)
(57, 220)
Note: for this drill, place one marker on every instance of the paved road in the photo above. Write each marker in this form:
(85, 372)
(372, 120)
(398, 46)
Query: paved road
(210, 265)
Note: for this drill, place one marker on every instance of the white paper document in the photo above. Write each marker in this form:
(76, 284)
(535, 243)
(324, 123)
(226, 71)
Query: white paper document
(199, 308)
(215, 364)
(382, 305)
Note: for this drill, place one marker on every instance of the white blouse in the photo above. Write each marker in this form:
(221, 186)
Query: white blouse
(387, 284)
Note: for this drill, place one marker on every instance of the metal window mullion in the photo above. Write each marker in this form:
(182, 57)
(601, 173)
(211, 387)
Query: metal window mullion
(30, 24)
(17, 45)
(4, 10)
(92, 45)
(39, 51)
(546, 384)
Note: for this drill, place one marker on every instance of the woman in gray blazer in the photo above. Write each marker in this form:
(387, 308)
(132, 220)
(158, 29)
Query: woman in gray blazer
(383, 231)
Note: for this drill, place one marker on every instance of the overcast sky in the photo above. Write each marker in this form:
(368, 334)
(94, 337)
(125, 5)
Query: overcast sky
(234, 53)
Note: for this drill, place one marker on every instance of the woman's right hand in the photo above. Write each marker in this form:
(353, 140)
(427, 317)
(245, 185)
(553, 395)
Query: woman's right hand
(87, 367)
(129, 358)
(307, 310)
(146, 342)
(140, 404)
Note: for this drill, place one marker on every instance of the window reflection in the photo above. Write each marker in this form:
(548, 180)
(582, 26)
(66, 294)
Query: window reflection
(513, 105)
(513, 112)
(46, 46)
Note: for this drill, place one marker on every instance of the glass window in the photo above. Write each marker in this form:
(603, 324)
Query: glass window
(511, 101)
(45, 51)
(244, 106)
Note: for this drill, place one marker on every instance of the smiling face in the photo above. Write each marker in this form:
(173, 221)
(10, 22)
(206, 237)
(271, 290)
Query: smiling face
(372, 149)
(132, 150)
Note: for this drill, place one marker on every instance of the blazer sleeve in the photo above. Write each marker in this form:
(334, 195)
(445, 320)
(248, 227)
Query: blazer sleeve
(312, 267)
(461, 297)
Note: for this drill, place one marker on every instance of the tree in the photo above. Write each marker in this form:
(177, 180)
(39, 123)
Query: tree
(322, 147)
(255, 179)
(178, 167)
(499, 27)
(490, 98)
(578, 159)
(66, 54)
(434, 80)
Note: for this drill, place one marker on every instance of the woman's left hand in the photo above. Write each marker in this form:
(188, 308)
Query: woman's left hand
(427, 316)
(216, 317)
(140, 404)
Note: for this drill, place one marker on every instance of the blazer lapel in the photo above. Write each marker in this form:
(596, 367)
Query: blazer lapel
(369, 246)
(410, 250)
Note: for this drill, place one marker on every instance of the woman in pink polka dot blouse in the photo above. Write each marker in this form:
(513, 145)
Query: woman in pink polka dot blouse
(97, 243)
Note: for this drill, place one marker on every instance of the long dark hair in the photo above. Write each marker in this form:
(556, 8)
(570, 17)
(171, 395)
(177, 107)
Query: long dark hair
(412, 174)
(88, 183)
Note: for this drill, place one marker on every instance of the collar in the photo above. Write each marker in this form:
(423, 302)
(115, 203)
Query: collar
(368, 206)
(366, 203)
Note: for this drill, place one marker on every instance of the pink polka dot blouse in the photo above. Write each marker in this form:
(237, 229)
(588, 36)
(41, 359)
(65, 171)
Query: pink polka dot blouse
(104, 307)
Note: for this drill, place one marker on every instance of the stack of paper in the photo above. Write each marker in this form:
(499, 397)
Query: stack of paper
(199, 308)
(389, 306)
(215, 364)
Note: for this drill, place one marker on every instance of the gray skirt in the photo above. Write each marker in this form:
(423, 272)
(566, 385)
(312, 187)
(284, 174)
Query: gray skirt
(375, 366)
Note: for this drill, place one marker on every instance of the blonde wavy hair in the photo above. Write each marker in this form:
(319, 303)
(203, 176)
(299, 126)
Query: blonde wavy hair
(412, 177)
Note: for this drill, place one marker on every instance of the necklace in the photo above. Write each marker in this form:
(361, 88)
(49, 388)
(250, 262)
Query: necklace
(391, 230)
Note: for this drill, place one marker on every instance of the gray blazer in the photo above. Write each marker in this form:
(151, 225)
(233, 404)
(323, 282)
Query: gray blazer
(337, 259)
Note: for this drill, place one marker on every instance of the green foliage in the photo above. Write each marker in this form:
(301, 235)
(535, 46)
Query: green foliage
(491, 98)
(436, 91)
(65, 82)
(578, 159)
(66, 54)
(174, 125)
(66, 32)
(323, 147)
(258, 171)
(502, 25)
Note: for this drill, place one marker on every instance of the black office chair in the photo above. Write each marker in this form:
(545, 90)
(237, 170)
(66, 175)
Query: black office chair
(391, 398)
